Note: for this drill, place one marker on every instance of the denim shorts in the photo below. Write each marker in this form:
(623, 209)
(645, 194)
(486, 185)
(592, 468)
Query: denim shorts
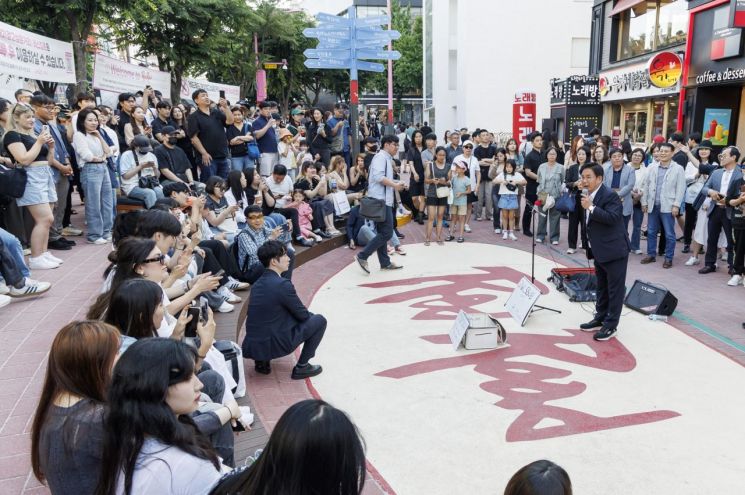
(40, 187)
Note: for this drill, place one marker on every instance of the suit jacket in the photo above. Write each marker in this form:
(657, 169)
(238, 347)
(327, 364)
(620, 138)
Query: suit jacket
(274, 313)
(715, 183)
(628, 179)
(605, 228)
(673, 187)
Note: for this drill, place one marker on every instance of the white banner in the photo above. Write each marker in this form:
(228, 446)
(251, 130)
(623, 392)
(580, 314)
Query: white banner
(115, 75)
(188, 86)
(30, 55)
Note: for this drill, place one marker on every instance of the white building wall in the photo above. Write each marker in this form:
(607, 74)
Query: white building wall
(502, 47)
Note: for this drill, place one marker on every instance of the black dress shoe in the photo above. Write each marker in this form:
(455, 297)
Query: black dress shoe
(591, 325)
(399, 234)
(68, 241)
(604, 334)
(707, 269)
(686, 248)
(263, 367)
(527, 233)
(59, 245)
(307, 371)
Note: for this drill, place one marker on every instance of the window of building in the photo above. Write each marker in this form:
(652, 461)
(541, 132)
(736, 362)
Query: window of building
(651, 26)
(580, 52)
(635, 126)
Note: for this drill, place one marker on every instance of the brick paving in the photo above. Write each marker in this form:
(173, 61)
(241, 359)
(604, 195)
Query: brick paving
(28, 327)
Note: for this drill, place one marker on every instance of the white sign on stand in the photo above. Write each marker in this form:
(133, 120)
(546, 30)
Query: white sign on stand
(521, 301)
(458, 330)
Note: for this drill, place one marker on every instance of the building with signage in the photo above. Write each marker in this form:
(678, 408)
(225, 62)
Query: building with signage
(637, 51)
(575, 107)
(714, 91)
(479, 54)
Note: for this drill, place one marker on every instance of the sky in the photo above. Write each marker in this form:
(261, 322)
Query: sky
(328, 6)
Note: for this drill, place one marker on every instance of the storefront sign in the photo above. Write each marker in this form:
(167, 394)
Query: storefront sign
(726, 75)
(576, 90)
(725, 40)
(523, 115)
(738, 14)
(188, 86)
(631, 81)
(582, 125)
(716, 125)
(665, 69)
(111, 74)
(29, 55)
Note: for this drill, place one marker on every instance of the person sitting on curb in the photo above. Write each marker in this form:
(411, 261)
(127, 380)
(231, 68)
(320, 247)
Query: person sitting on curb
(277, 320)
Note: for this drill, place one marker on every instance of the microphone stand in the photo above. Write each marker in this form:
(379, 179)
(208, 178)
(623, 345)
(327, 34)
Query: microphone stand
(537, 307)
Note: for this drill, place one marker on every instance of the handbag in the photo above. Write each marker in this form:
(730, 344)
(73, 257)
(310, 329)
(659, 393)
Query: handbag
(13, 181)
(567, 203)
(373, 209)
(440, 191)
(341, 203)
(147, 181)
(253, 148)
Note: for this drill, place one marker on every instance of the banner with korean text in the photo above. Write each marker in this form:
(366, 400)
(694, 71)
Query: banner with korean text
(110, 74)
(188, 86)
(30, 55)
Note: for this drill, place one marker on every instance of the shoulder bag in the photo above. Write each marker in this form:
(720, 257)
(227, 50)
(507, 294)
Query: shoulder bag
(13, 181)
(440, 191)
(567, 202)
(146, 182)
(373, 208)
(253, 148)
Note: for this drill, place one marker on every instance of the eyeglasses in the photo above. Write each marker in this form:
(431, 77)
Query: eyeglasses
(255, 217)
(469, 147)
(160, 259)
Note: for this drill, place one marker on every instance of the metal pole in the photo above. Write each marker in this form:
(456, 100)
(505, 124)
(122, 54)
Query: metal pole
(354, 98)
(390, 67)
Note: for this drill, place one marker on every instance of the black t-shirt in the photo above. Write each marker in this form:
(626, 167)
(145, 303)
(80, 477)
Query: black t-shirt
(533, 161)
(216, 207)
(211, 132)
(681, 159)
(414, 155)
(158, 125)
(481, 153)
(251, 198)
(237, 149)
(174, 159)
(28, 141)
(124, 119)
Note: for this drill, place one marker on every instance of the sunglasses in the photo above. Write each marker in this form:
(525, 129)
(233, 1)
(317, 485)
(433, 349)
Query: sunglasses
(255, 217)
(160, 259)
(469, 147)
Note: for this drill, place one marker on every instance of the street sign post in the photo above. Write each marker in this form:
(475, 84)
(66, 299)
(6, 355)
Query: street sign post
(347, 43)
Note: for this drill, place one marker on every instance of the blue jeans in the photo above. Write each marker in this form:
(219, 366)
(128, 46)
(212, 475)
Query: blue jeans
(242, 163)
(218, 166)
(98, 200)
(366, 234)
(379, 242)
(13, 245)
(636, 230)
(655, 220)
(149, 196)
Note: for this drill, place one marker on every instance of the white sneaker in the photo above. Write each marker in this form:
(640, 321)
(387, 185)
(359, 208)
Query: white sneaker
(98, 242)
(554, 243)
(3, 289)
(497, 231)
(735, 280)
(42, 263)
(225, 307)
(570, 251)
(467, 228)
(229, 296)
(4, 301)
(234, 284)
(504, 236)
(247, 417)
(30, 288)
(692, 261)
(51, 257)
(638, 251)
(513, 236)
(539, 241)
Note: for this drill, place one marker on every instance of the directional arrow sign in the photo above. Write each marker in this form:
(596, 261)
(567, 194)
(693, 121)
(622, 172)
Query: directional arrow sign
(370, 66)
(371, 21)
(327, 63)
(377, 54)
(316, 53)
(334, 44)
(377, 35)
(333, 19)
(335, 33)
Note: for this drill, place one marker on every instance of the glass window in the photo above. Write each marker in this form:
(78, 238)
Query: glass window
(650, 26)
(636, 32)
(658, 118)
(673, 24)
(635, 126)
(672, 116)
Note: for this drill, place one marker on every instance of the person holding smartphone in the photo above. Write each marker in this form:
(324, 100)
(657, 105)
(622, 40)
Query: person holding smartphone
(139, 172)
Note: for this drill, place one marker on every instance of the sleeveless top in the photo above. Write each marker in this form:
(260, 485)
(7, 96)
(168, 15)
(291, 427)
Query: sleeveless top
(438, 174)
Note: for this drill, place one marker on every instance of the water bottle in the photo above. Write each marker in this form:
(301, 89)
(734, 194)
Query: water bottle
(656, 317)
(332, 183)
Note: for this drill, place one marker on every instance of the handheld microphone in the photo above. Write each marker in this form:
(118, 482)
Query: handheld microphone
(585, 192)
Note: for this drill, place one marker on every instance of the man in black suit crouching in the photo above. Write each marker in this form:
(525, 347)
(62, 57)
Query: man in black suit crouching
(277, 320)
(608, 244)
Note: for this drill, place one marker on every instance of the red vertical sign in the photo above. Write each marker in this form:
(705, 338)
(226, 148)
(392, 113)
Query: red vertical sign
(523, 115)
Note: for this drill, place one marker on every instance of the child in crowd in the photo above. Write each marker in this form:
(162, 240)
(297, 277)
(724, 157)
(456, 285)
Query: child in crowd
(305, 214)
(287, 152)
(461, 190)
(508, 181)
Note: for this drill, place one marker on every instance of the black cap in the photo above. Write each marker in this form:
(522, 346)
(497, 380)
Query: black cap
(705, 144)
(142, 143)
(168, 129)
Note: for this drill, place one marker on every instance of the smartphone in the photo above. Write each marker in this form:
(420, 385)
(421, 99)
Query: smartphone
(742, 188)
(222, 93)
(45, 128)
(285, 227)
(191, 327)
(219, 273)
(204, 308)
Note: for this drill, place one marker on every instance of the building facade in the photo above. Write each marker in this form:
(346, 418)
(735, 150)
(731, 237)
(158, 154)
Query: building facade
(478, 54)
(637, 52)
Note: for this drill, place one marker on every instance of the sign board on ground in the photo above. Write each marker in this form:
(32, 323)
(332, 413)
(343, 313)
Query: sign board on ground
(521, 301)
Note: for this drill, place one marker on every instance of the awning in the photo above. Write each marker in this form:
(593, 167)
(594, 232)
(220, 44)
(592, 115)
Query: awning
(639, 6)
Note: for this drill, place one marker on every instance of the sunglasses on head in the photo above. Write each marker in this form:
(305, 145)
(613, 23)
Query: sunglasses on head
(160, 259)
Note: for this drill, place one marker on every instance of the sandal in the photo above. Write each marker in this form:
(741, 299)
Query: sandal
(449, 238)
(440, 242)
(460, 239)
(426, 243)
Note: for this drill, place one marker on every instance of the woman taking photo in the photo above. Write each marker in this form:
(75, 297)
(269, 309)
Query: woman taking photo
(178, 117)
(437, 183)
(67, 432)
(550, 180)
(496, 168)
(218, 214)
(33, 153)
(151, 444)
(573, 182)
(92, 152)
(239, 135)
(137, 126)
(258, 193)
(508, 181)
(315, 188)
(338, 180)
(413, 163)
(319, 137)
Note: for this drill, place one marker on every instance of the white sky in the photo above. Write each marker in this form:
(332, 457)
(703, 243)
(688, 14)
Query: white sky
(328, 6)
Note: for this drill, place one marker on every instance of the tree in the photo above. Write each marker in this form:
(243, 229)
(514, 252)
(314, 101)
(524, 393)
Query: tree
(66, 20)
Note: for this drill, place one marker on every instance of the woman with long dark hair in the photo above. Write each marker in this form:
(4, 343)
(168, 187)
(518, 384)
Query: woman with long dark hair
(67, 433)
(314, 449)
(437, 175)
(178, 116)
(235, 193)
(151, 444)
(413, 162)
(319, 136)
(573, 181)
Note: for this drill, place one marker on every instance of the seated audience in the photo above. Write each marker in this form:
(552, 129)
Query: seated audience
(14, 274)
(315, 187)
(139, 172)
(279, 322)
(173, 163)
(305, 216)
(250, 239)
(218, 214)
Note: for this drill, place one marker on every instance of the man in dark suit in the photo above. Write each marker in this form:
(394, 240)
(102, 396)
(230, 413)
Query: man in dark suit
(277, 320)
(609, 246)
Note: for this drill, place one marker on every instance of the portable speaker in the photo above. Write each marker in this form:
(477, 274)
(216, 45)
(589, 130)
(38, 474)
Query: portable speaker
(650, 299)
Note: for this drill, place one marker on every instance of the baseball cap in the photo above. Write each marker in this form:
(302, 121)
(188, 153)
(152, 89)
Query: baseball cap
(142, 143)
(296, 111)
(168, 129)
(467, 142)
(659, 138)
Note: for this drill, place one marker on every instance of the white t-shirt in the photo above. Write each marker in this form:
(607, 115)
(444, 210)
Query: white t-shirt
(127, 163)
(473, 168)
(284, 188)
(517, 177)
(168, 470)
(240, 217)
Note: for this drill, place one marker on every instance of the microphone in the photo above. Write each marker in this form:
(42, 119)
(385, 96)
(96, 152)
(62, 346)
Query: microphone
(585, 192)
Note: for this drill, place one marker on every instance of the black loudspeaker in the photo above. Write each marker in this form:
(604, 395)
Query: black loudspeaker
(650, 299)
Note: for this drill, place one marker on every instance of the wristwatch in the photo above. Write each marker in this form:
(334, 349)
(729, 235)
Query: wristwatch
(592, 207)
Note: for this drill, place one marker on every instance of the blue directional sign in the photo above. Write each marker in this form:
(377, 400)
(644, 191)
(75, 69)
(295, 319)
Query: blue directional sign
(378, 54)
(377, 35)
(370, 66)
(371, 21)
(326, 33)
(337, 53)
(334, 19)
(327, 63)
